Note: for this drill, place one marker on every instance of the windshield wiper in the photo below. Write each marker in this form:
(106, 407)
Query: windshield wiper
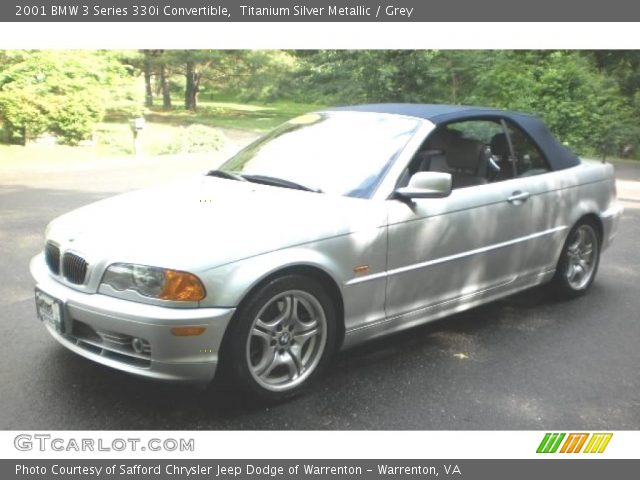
(279, 182)
(225, 174)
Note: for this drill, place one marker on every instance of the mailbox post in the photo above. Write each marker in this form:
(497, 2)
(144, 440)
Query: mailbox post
(137, 125)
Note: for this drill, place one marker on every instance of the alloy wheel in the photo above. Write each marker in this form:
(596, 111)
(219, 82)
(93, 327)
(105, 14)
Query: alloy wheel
(581, 257)
(286, 340)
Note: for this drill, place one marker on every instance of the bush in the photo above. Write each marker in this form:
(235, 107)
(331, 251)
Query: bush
(23, 117)
(192, 139)
(74, 121)
(114, 138)
(581, 106)
(60, 92)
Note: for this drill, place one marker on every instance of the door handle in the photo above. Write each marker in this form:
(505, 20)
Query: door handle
(518, 197)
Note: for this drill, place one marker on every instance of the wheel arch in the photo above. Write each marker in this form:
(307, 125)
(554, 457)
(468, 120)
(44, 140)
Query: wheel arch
(590, 217)
(324, 278)
(597, 222)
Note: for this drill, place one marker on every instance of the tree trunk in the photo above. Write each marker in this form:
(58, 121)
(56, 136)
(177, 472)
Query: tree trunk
(148, 97)
(191, 89)
(7, 133)
(164, 84)
(454, 86)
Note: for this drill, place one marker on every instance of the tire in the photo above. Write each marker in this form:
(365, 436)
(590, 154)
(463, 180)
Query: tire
(281, 338)
(579, 260)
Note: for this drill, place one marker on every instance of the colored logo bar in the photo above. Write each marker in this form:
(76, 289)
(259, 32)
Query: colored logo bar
(574, 443)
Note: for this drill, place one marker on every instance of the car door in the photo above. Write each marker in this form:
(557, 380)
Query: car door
(451, 251)
(540, 191)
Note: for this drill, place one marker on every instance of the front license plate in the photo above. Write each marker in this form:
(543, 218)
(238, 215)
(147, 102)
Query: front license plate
(49, 310)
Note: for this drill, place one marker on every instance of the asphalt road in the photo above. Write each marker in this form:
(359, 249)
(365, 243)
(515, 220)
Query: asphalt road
(526, 362)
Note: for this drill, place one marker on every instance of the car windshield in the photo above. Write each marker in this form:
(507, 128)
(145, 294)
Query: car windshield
(344, 153)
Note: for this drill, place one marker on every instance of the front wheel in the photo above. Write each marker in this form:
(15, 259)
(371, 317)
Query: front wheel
(282, 337)
(579, 260)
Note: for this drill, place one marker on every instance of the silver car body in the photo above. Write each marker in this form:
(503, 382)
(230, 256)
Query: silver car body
(391, 265)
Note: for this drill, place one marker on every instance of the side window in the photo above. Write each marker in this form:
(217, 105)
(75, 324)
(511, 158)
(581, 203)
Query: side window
(528, 159)
(461, 149)
(478, 130)
(477, 152)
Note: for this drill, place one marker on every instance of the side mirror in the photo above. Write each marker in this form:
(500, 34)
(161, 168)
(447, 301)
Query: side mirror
(427, 185)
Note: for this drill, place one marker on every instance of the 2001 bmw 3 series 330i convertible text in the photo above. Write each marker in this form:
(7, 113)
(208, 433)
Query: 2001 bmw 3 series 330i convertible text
(337, 227)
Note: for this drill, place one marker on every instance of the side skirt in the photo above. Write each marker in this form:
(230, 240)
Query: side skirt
(384, 326)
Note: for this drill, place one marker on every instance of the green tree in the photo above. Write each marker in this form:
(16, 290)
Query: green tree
(584, 108)
(352, 76)
(62, 92)
(264, 75)
(207, 69)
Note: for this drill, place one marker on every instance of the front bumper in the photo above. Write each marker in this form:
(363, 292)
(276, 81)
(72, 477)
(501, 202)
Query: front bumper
(101, 328)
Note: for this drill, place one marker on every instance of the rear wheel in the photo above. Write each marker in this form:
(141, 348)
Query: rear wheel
(579, 260)
(283, 337)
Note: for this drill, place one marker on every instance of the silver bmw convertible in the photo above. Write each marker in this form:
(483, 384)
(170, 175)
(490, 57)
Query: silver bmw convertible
(338, 227)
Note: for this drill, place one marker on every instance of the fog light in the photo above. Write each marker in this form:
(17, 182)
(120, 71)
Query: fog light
(187, 331)
(137, 344)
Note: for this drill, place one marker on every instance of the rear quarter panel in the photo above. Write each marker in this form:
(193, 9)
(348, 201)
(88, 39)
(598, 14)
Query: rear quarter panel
(586, 189)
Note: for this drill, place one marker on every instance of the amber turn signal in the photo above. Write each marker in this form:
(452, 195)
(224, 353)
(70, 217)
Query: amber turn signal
(181, 286)
(187, 331)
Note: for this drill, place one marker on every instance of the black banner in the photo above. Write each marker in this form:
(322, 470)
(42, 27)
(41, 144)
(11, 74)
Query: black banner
(319, 11)
(584, 469)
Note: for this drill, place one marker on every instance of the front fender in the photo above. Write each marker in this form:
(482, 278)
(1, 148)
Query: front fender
(229, 284)
(337, 257)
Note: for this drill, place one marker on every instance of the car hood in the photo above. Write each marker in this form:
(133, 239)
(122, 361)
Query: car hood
(206, 222)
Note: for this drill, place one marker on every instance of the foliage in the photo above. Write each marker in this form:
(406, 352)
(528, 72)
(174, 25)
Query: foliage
(20, 112)
(345, 76)
(589, 99)
(588, 107)
(61, 92)
(191, 139)
(584, 108)
(264, 75)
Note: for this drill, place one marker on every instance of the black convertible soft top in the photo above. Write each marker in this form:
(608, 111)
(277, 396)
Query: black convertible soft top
(558, 155)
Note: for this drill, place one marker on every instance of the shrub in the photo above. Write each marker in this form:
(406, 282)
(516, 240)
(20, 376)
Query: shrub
(192, 139)
(62, 92)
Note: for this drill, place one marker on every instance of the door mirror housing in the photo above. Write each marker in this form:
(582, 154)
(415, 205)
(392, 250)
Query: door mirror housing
(427, 185)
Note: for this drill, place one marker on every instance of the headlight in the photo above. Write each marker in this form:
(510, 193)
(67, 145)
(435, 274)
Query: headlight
(154, 282)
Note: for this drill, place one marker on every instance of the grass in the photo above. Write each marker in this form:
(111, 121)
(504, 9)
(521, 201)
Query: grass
(113, 137)
(229, 114)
